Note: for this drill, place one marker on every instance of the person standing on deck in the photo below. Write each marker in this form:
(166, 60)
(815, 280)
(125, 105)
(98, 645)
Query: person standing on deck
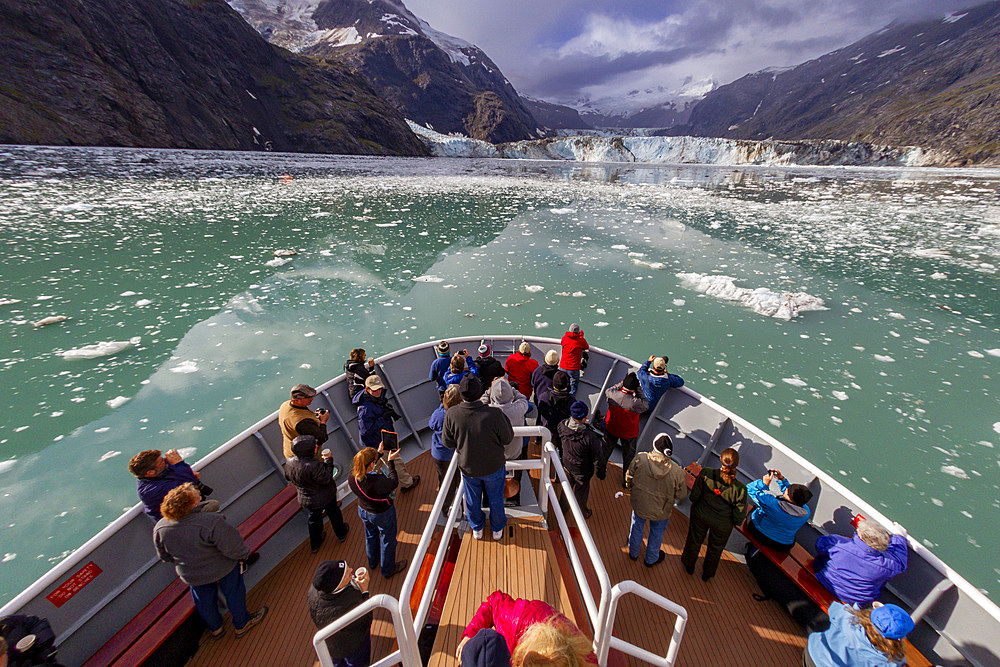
(337, 589)
(657, 483)
(377, 509)
(574, 345)
(479, 434)
(376, 414)
(655, 380)
(357, 369)
(718, 504)
(554, 407)
(295, 418)
(314, 480)
(625, 404)
(440, 366)
(542, 377)
(459, 367)
(442, 455)
(488, 368)
(582, 454)
(519, 368)
(157, 474)
(206, 552)
(513, 404)
(776, 519)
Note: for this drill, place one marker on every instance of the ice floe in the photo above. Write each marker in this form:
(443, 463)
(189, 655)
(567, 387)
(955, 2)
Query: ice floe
(8, 302)
(7, 465)
(783, 306)
(277, 261)
(7, 557)
(117, 402)
(143, 302)
(995, 352)
(884, 358)
(534, 288)
(51, 319)
(541, 325)
(102, 349)
(285, 253)
(658, 266)
(795, 382)
(185, 367)
(427, 279)
(601, 324)
(840, 395)
(954, 471)
(996, 427)
(108, 455)
(563, 211)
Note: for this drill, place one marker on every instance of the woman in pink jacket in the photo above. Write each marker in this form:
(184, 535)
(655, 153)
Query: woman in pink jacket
(535, 632)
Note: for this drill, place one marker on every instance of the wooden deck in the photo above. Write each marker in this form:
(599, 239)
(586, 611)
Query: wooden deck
(726, 625)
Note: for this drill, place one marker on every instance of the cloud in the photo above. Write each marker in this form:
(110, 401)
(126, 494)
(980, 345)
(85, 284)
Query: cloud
(565, 50)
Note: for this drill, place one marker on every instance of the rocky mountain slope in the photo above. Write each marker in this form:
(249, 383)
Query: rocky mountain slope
(177, 74)
(550, 116)
(934, 84)
(430, 77)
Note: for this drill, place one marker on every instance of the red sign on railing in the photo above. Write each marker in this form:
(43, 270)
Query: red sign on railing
(74, 584)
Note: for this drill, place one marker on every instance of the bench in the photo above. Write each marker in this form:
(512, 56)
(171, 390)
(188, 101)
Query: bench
(797, 564)
(147, 631)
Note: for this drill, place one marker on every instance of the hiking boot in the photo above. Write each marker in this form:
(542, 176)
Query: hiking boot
(400, 566)
(416, 480)
(315, 547)
(343, 538)
(255, 618)
(663, 554)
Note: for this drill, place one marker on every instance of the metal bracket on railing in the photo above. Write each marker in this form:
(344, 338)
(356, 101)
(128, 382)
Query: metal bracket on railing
(931, 599)
(606, 640)
(407, 652)
(341, 423)
(270, 455)
(604, 388)
(406, 417)
(713, 441)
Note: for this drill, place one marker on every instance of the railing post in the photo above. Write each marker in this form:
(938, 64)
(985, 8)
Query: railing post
(341, 423)
(406, 417)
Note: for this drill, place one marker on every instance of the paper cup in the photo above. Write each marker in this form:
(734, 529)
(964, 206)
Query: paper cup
(327, 453)
(360, 572)
(26, 643)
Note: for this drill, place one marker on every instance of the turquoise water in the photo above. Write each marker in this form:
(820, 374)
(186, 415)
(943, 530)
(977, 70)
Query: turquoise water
(892, 388)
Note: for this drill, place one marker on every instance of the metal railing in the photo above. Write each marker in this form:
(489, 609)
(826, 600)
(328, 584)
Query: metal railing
(601, 614)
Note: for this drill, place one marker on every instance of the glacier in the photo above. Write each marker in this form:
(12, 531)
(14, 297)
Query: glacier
(684, 150)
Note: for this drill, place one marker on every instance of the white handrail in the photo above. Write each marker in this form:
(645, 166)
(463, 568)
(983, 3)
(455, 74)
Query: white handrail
(407, 653)
(624, 588)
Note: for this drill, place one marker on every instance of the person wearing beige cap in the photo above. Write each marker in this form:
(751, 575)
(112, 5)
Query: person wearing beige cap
(655, 379)
(376, 414)
(541, 377)
(295, 418)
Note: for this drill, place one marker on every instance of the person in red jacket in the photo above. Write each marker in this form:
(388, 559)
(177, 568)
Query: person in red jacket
(535, 632)
(625, 404)
(519, 368)
(573, 347)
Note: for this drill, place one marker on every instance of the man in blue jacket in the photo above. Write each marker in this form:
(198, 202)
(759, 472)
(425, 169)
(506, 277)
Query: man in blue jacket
(439, 367)
(157, 474)
(856, 568)
(375, 415)
(655, 380)
(776, 519)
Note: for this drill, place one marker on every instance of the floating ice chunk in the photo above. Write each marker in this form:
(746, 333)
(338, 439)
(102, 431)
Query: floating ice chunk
(954, 471)
(795, 382)
(185, 367)
(51, 319)
(761, 300)
(427, 279)
(7, 465)
(285, 253)
(600, 324)
(619, 247)
(939, 503)
(563, 211)
(305, 366)
(69, 208)
(932, 253)
(309, 334)
(108, 455)
(562, 293)
(117, 402)
(534, 288)
(723, 364)
(277, 261)
(128, 293)
(884, 358)
(101, 349)
(995, 352)
(937, 275)
(8, 302)
(679, 302)
(769, 385)
(924, 341)
(996, 427)
(601, 311)
(186, 452)
(8, 557)
(774, 421)
(103, 429)
(143, 302)
(898, 316)
(541, 325)
(840, 395)
(449, 286)
(659, 266)
(976, 353)
(578, 294)
(637, 254)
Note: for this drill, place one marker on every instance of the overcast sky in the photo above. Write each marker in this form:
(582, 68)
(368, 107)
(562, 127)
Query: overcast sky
(564, 50)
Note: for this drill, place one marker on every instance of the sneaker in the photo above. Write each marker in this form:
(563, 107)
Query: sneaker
(663, 554)
(400, 566)
(633, 557)
(343, 538)
(212, 635)
(251, 559)
(416, 480)
(497, 535)
(255, 618)
(478, 534)
(315, 547)
(587, 513)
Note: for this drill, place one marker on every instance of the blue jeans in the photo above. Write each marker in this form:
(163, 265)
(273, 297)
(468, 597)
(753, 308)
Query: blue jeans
(380, 539)
(656, 530)
(574, 379)
(206, 600)
(492, 485)
(360, 658)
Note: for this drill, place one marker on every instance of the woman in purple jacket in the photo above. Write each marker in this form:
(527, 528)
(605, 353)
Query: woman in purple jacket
(856, 568)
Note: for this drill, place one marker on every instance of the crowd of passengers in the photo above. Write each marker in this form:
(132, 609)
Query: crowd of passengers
(481, 400)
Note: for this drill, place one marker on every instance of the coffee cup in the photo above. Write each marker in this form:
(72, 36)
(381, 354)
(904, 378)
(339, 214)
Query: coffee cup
(327, 453)
(361, 573)
(25, 643)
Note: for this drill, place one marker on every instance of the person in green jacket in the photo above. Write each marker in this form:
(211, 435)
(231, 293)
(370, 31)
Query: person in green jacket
(718, 504)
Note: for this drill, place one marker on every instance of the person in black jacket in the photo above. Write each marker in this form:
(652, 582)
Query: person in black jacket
(582, 453)
(336, 589)
(376, 508)
(489, 368)
(542, 377)
(357, 369)
(314, 479)
(554, 406)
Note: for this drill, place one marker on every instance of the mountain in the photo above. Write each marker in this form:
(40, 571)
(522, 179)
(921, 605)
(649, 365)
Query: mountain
(177, 74)
(430, 77)
(934, 84)
(657, 107)
(552, 116)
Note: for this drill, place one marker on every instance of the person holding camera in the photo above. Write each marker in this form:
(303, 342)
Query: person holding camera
(776, 519)
(376, 414)
(158, 473)
(358, 369)
(295, 418)
(336, 589)
(856, 568)
(314, 479)
(376, 508)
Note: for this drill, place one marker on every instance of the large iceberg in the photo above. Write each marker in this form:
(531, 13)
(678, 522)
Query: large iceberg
(784, 306)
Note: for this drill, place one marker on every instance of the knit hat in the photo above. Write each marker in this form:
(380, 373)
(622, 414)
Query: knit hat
(329, 574)
(552, 357)
(373, 382)
(659, 365)
(574, 328)
(524, 348)
(631, 382)
(485, 350)
(487, 648)
(663, 444)
(799, 494)
(303, 391)
(443, 349)
(304, 445)
(578, 410)
(892, 621)
(560, 382)
(471, 388)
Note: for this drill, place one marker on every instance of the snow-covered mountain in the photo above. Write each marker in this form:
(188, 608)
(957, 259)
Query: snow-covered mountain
(657, 106)
(431, 77)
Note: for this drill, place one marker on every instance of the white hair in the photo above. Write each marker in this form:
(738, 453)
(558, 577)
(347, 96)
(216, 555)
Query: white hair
(873, 534)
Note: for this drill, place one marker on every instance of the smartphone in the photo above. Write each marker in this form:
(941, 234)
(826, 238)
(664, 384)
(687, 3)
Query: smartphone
(390, 440)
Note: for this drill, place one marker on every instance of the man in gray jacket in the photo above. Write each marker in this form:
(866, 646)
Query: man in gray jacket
(657, 483)
(206, 552)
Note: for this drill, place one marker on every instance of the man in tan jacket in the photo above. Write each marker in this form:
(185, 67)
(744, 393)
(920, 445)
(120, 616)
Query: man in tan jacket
(657, 483)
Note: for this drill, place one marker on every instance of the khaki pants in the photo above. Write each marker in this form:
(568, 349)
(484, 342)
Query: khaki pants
(405, 479)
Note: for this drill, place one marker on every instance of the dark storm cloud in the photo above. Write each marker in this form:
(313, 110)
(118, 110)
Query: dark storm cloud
(562, 77)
